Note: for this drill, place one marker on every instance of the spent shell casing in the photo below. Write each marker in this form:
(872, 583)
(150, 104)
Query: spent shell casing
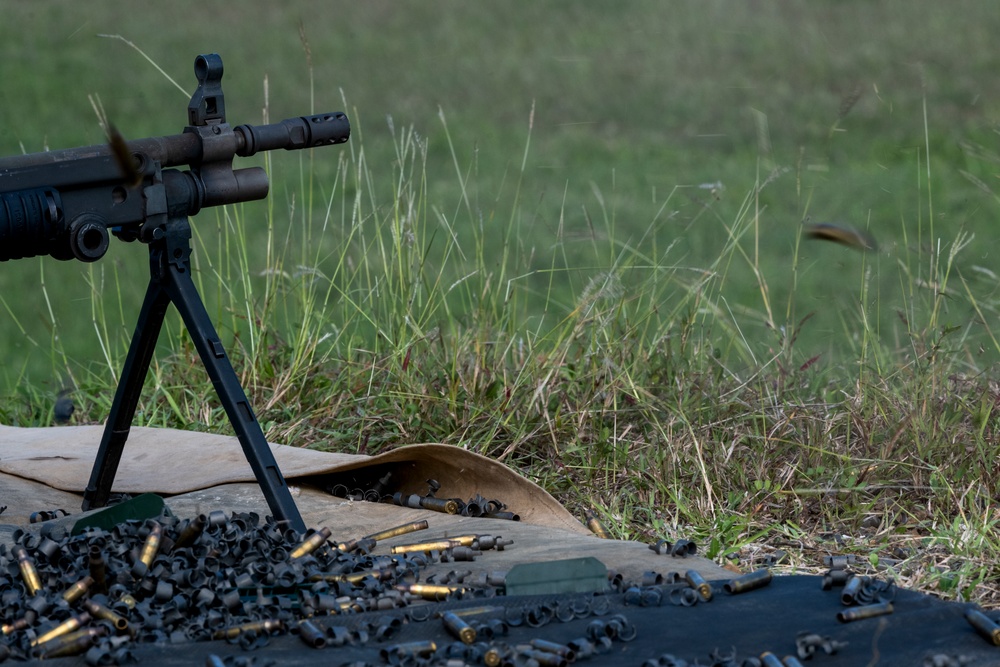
(866, 611)
(748, 582)
(98, 568)
(596, 527)
(697, 582)
(984, 625)
(98, 610)
(268, 626)
(425, 547)
(444, 505)
(421, 648)
(69, 625)
(791, 661)
(77, 590)
(312, 543)
(20, 624)
(433, 592)
(152, 545)
(554, 647)
(458, 628)
(311, 634)
(73, 643)
(768, 659)
(194, 528)
(28, 571)
(492, 657)
(396, 531)
(851, 590)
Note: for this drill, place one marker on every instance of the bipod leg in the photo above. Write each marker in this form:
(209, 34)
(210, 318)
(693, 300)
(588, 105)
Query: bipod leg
(116, 430)
(178, 284)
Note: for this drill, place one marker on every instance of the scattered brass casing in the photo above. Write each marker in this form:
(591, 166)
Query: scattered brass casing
(867, 611)
(69, 625)
(312, 543)
(269, 625)
(984, 625)
(77, 590)
(98, 610)
(458, 628)
(444, 505)
(748, 582)
(73, 643)
(311, 634)
(28, 571)
(433, 592)
(191, 531)
(152, 545)
(439, 545)
(769, 659)
(697, 582)
(596, 527)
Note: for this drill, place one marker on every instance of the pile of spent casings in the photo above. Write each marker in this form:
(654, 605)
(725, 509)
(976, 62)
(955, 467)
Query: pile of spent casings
(170, 581)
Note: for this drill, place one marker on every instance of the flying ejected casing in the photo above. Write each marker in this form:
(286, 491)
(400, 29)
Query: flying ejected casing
(312, 543)
(697, 582)
(984, 625)
(73, 643)
(151, 545)
(28, 571)
(69, 625)
(748, 582)
(311, 634)
(444, 505)
(98, 610)
(268, 626)
(866, 611)
(424, 547)
(458, 628)
(77, 590)
(596, 527)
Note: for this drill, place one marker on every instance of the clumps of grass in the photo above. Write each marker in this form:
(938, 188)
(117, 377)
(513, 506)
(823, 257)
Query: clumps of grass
(631, 391)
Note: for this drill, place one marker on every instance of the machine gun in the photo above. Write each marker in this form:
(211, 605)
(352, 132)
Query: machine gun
(65, 203)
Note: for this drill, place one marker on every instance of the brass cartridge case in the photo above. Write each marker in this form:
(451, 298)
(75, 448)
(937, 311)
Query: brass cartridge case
(866, 611)
(443, 505)
(851, 589)
(554, 647)
(73, 643)
(152, 545)
(311, 634)
(20, 624)
(545, 659)
(424, 547)
(404, 529)
(985, 626)
(28, 571)
(267, 626)
(596, 527)
(98, 610)
(791, 661)
(458, 628)
(191, 531)
(748, 582)
(312, 543)
(77, 590)
(697, 582)
(69, 625)
(98, 569)
(417, 648)
(433, 592)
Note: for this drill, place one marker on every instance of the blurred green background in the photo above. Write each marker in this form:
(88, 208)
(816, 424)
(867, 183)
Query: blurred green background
(654, 124)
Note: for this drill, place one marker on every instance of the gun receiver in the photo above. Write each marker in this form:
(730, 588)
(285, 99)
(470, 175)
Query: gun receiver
(65, 203)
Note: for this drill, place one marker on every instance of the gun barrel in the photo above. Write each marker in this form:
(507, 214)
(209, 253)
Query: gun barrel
(186, 148)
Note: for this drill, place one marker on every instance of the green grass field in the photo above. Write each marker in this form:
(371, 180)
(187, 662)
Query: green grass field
(569, 235)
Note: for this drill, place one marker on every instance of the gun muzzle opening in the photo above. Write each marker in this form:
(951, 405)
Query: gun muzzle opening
(88, 238)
